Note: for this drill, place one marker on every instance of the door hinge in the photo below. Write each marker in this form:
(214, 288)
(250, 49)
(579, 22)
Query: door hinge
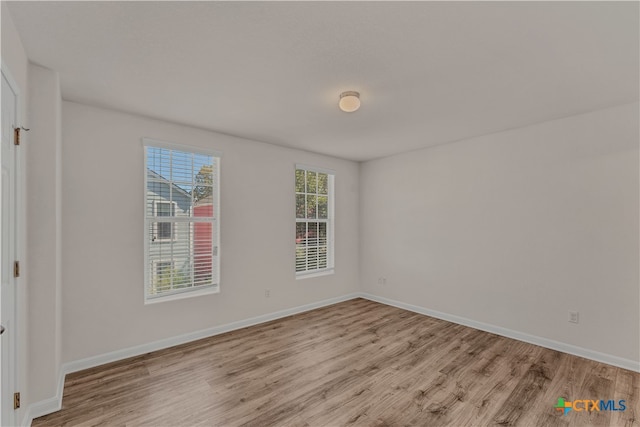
(16, 400)
(16, 269)
(16, 136)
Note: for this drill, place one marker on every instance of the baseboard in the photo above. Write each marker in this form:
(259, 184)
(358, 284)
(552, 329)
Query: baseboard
(53, 404)
(46, 406)
(509, 333)
(113, 356)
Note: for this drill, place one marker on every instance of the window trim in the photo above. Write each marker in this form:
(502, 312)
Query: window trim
(330, 221)
(215, 224)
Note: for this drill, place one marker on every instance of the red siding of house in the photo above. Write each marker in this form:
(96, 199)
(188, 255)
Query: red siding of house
(202, 242)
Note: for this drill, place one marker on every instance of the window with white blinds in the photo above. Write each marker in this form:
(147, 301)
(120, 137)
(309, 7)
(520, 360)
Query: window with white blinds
(181, 220)
(314, 221)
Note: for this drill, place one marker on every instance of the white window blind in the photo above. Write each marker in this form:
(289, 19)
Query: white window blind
(181, 226)
(314, 220)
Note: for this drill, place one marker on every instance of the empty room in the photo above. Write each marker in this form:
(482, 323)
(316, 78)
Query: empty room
(330, 213)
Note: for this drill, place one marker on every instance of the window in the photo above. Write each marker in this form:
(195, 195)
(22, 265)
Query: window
(314, 221)
(181, 221)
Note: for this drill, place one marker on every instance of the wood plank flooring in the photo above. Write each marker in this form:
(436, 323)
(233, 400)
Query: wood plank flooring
(355, 363)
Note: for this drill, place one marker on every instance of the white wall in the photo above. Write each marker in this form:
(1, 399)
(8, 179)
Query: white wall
(44, 232)
(515, 229)
(15, 60)
(103, 240)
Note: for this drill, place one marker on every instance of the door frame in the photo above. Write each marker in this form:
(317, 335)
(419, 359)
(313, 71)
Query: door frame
(19, 213)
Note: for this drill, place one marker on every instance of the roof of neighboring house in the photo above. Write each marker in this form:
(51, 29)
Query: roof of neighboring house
(155, 175)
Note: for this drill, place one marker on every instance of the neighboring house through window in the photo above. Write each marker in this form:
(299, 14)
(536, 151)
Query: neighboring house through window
(164, 230)
(181, 221)
(314, 221)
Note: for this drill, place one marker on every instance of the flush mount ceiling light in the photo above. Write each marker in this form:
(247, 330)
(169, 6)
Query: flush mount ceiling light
(349, 101)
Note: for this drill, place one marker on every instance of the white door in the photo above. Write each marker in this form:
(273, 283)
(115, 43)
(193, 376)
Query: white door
(8, 218)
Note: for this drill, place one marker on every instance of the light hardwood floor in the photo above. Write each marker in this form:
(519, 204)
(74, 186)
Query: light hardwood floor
(353, 363)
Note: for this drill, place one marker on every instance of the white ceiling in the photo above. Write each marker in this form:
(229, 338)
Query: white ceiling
(429, 72)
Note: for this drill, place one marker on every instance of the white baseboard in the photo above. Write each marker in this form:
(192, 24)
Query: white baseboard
(53, 404)
(113, 356)
(46, 406)
(609, 359)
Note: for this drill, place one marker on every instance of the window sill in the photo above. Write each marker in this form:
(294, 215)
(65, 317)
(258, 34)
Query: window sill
(183, 295)
(319, 273)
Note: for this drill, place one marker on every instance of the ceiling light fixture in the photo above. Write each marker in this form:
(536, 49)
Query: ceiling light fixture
(349, 101)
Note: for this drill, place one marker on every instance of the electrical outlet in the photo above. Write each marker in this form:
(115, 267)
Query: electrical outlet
(382, 280)
(573, 317)
(267, 293)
